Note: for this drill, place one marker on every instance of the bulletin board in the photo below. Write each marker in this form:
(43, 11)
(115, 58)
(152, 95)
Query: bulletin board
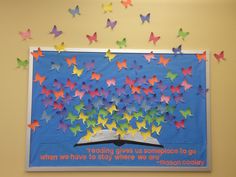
(118, 110)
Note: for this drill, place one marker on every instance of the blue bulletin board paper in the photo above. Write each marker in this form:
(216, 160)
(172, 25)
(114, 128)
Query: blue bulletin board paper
(159, 112)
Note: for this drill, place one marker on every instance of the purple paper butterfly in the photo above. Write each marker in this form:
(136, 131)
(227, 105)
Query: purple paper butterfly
(201, 91)
(161, 86)
(104, 92)
(74, 11)
(177, 50)
(63, 126)
(85, 87)
(169, 117)
(57, 84)
(90, 65)
(111, 24)
(135, 66)
(55, 31)
(62, 113)
(67, 99)
(47, 102)
(145, 18)
(179, 98)
(141, 80)
(120, 91)
(138, 98)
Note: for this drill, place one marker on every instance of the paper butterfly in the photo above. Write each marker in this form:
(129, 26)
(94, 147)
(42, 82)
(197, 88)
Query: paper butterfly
(60, 47)
(22, 63)
(71, 61)
(186, 85)
(177, 50)
(121, 43)
(47, 102)
(201, 57)
(148, 90)
(145, 18)
(37, 54)
(111, 24)
(57, 84)
(129, 81)
(165, 99)
(70, 84)
(182, 34)
(120, 91)
(179, 98)
(107, 7)
(76, 129)
(39, 78)
(111, 82)
(161, 86)
(33, 125)
(58, 94)
(55, 66)
(25, 34)
(163, 61)
(153, 38)
(179, 124)
(104, 92)
(186, 113)
(110, 55)
(175, 89)
(201, 91)
(79, 94)
(77, 71)
(95, 76)
(135, 89)
(55, 32)
(63, 126)
(122, 64)
(171, 76)
(187, 71)
(74, 11)
(46, 117)
(126, 3)
(219, 56)
(46, 91)
(67, 99)
(90, 65)
(92, 38)
(153, 80)
(58, 106)
(149, 56)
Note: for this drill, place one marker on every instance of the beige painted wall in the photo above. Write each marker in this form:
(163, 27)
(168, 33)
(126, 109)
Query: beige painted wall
(212, 25)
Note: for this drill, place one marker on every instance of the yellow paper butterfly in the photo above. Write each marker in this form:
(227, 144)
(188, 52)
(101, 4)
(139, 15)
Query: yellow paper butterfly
(107, 7)
(77, 71)
(60, 47)
(146, 135)
(156, 129)
(88, 135)
(111, 126)
(110, 55)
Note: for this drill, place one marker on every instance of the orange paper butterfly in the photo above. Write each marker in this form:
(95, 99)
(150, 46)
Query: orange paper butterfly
(39, 78)
(95, 76)
(33, 125)
(153, 80)
(201, 57)
(59, 94)
(37, 54)
(71, 61)
(121, 65)
(163, 61)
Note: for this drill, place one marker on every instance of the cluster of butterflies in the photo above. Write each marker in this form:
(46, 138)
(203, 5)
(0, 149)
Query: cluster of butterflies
(137, 105)
(108, 8)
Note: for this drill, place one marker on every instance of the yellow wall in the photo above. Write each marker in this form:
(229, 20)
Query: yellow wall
(212, 25)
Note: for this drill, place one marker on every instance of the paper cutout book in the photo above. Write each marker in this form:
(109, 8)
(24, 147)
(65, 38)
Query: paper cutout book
(108, 137)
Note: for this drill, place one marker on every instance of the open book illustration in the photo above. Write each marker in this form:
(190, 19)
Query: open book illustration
(108, 136)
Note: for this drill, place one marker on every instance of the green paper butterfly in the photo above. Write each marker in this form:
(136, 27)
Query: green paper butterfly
(22, 63)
